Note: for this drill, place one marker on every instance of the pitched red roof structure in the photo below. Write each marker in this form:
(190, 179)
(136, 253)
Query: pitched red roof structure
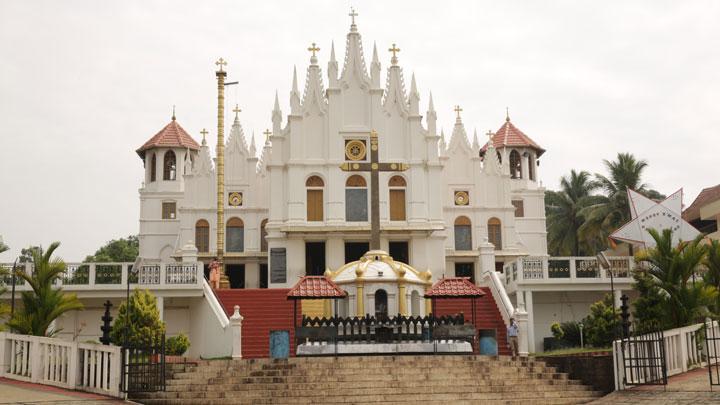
(706, 196)
(454, 287)
(315, 287)
(173, 135)
(509, 135)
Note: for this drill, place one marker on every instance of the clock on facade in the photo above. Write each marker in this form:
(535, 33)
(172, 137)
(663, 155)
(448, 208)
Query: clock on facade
(235, 199)
(462, 198)
(355, 149)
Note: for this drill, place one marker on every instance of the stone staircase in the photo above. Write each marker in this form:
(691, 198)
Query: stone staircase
(442, 380)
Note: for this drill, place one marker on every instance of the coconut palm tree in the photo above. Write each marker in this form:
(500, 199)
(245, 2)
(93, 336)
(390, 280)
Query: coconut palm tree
(44, 304)
(612, 211)
(562, 209)
(670, 269)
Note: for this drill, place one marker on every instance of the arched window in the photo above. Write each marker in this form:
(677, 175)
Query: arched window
(515, 166)
(499, 157)
(495, 233)
(415, 303)
(169, 166)
(263, 236)
(356, 204)
(202, 236)
(463, 233)
(397, 187)
(235, 235)
(153, 167)
(381, 304)
(531, 166)
(314, 186)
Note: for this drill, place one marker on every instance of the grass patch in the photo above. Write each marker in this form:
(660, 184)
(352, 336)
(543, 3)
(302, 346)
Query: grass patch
(573, 350)
(216, 358)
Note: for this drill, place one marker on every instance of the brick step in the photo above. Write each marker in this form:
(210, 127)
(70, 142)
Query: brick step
(533, 401)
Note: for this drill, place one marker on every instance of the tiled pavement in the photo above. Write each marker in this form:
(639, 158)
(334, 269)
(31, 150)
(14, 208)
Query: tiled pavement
(16, 392)
(690, 388)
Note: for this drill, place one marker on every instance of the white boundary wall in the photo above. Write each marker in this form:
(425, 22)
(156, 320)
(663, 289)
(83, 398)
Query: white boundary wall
(79, 366)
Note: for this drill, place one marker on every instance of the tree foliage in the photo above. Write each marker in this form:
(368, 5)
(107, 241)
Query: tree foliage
(45, 302)
(602, 324)
(116, 250)
(143, 323)
(177, 345)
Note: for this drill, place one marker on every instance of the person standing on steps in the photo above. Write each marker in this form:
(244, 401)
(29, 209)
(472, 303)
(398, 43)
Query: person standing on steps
(215, 274)
(512, 334)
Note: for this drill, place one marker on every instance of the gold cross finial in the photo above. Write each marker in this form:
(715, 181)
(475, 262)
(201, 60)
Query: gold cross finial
(221, 62)
(394, 50)
(267, 134)
(204, 132)
(353, 14)
(457, 109)
(236, 110)
(313, 48)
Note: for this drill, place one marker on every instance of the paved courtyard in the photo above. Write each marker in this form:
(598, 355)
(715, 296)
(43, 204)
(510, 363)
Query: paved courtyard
(690, 388)
(16, 392)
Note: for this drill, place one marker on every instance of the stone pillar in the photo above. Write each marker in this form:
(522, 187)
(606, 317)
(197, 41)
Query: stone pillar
(487, 258)
(189, 252)
(522, 321)
(360, 304)
(616, 299)
(530, 320)
(236, 325)
(402, 297)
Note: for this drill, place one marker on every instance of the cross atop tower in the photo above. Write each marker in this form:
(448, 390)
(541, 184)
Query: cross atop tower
(457, 109)
(313, 48)
(204, 132)
(267, 134)
(352, 15)
(221, 62)
(236, 110)
(394, 49)
(490, 136)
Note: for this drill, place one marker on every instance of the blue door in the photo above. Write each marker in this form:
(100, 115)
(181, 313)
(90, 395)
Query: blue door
(279, 344)
(488, 342)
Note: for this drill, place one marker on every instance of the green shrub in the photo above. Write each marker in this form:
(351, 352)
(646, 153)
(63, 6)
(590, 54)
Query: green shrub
(177, 345)
(603, 323)
(557, 331)
(571, 333)
(144, 320)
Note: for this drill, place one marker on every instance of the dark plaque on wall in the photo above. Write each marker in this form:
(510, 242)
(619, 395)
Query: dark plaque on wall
(278, 265)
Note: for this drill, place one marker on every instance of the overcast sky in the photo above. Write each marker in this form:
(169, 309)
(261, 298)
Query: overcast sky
(85, 83)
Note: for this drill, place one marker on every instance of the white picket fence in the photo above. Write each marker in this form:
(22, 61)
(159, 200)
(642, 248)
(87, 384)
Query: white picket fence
(79, 366)
(685, 349)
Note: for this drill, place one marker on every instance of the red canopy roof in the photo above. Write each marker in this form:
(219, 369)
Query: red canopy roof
(315, 287)
(454, 287)
(509, 135)
(173, 135)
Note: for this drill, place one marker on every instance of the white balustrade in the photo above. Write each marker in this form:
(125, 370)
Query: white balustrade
(685, 349)
(61, 363)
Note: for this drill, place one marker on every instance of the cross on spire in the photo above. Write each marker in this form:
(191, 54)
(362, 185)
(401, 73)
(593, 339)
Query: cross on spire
(353, 14)
(204, 132)
(457, 109)
(267, 134)
(313, 48)
(220, 63)
(490, 136)
(394, 49)
(236, 110)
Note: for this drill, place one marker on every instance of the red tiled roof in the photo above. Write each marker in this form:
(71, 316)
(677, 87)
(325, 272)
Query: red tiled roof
(457, 287)
(509, 135)
(173, 135)
(317, 287)
(706, 196)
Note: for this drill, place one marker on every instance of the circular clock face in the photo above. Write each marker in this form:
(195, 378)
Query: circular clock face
(462, 198)
(355, 150)
(235, 199)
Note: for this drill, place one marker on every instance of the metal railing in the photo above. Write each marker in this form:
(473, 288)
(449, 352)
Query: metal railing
(567, 269)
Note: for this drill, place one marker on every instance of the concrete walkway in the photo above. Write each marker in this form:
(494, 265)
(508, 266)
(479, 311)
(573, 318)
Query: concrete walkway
(692, 387)
(17, 392)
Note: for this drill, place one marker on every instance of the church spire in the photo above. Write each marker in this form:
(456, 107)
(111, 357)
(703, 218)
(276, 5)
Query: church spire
(237, 136)
(375, 68)
(354, 69)
(314, 94)
(431, 117)
(294, 95)
(443, 144)
(332, 67)
(459, 136)
(395, 87)
(476, 143)
(414, 97)
(276, 115)
(253, 148)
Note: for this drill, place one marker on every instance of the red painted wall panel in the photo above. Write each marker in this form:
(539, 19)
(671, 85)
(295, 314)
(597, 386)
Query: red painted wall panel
(263, 310)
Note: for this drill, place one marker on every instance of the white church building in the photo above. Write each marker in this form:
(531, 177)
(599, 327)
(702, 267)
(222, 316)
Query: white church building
(461, 208)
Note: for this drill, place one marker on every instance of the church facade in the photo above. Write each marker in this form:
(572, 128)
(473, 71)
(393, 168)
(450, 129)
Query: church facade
(290, 210)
